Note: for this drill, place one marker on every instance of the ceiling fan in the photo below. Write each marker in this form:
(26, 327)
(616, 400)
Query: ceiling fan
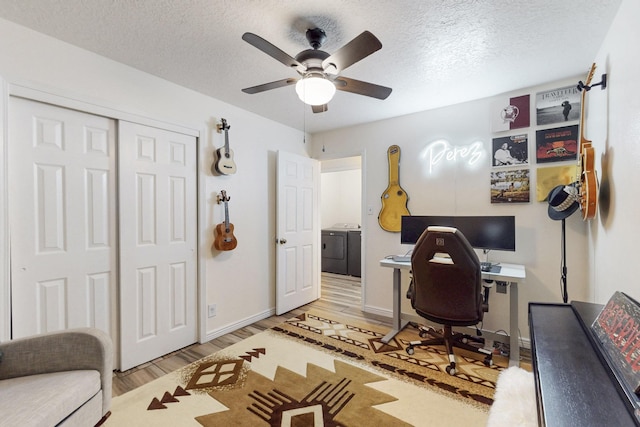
(319, 71)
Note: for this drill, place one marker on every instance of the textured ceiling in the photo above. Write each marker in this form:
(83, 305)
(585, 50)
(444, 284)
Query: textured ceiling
(434, 52)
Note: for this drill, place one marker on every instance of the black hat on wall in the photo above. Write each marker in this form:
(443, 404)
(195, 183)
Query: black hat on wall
(563, 201)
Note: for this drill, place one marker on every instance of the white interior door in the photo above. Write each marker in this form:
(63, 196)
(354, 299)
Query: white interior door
(61, 174)
(157, 242)
(298, 231)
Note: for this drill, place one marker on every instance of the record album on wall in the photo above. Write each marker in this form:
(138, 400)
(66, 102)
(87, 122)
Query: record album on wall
(558, 105)
(557, 144)
(510, 113)
(510, 186)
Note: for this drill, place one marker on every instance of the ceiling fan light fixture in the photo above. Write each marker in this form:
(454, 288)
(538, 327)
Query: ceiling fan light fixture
(315, 90)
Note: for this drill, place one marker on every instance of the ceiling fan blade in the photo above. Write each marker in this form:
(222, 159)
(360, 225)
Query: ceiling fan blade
(359, 48)
(319, 108)
(362, 88)
(270, 50)
(269, 86)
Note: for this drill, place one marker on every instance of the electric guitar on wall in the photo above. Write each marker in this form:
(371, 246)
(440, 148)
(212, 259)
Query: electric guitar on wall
(394, 199)
(588, 188)
(225, 240)
(224, 155)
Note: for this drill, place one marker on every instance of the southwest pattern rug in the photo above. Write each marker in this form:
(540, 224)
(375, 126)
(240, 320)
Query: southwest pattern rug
(301, 374)
(427, 366)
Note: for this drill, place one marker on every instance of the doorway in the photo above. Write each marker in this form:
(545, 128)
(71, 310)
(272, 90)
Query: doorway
(341, 225)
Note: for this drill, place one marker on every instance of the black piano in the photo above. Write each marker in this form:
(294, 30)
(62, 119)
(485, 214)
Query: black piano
(576, 383)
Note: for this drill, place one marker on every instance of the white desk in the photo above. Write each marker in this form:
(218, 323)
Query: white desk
(510, 273)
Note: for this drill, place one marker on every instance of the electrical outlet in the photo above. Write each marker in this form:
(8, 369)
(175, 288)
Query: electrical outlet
(212, 310)
(501, 287)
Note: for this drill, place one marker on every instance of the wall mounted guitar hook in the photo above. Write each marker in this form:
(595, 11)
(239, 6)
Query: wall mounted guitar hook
(602, 83)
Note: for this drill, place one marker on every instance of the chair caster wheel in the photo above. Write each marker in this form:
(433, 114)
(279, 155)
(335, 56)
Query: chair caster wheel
(410, 350)
(488, 361)
(422, 334)
(451, 369)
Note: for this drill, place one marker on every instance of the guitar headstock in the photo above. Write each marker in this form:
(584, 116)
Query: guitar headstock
(592, 71)
(223, 126)
(587, 81)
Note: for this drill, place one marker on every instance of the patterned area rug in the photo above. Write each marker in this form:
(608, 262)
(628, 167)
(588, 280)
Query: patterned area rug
(426, 367)
(301, 374)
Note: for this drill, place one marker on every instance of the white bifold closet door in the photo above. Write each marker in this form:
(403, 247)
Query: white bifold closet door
(62, 219)
(158, 256)
(95, 243)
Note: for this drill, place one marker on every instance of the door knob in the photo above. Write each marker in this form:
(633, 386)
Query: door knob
(282, 241)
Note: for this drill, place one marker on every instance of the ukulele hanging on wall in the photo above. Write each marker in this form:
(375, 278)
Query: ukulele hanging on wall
(224, 239)
(394, 199)
(224, 163)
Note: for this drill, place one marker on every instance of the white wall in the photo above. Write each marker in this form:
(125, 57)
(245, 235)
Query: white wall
(613, 124)
(457, 189)
(341, 191)
(240, 282)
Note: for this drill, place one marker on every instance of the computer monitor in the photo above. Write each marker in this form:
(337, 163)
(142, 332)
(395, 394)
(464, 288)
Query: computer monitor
(483, 232)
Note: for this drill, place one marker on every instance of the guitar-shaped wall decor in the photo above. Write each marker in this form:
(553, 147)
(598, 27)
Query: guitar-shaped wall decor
(224, 155)
(588, 182)
(224, 239)
(394, 199)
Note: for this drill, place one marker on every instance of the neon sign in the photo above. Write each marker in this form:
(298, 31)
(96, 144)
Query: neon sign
(441, 151)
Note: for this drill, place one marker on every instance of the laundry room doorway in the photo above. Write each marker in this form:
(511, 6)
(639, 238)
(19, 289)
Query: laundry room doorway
(341, 235)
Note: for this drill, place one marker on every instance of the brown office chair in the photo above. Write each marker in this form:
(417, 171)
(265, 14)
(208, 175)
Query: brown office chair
(447, 288)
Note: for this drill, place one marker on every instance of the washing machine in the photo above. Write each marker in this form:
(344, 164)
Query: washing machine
(336, 249)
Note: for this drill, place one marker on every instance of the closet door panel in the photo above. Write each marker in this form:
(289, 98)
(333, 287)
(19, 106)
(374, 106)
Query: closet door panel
(157, 242)
(62, 219)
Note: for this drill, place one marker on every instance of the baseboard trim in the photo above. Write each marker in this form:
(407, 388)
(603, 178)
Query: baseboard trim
(231, 327)
(377, 311)
(492, 335)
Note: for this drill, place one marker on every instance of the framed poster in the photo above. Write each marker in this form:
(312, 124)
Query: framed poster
(510, 186)
(510, 150)
(557, 144)
(558, 105)
(510, 113)
(549, 178)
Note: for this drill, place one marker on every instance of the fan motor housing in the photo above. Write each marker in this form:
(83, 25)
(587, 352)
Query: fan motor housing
(312, 58)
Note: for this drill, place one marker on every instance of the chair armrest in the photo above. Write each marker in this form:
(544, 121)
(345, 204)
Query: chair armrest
(67, 350)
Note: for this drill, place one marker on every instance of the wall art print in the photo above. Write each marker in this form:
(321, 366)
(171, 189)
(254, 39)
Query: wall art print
(510, 113)
(510, 150)
(557, 144)
(510, 186)
(550, 177)
(558, 105)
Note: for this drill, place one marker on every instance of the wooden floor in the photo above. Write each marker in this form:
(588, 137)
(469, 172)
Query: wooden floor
(340, 294)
